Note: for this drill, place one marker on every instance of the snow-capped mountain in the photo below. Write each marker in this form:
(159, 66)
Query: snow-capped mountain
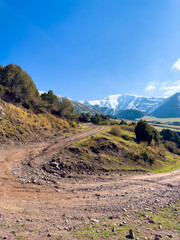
(115, 103)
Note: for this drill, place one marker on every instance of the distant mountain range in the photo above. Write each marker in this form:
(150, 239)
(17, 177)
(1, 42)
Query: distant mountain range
(131, 106)
(114, 103)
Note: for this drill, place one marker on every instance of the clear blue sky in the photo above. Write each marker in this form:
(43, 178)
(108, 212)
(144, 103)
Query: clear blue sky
(88, 49)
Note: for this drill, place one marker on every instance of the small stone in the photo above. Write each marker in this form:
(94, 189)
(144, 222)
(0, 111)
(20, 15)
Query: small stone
(113, 229)
(160, 226)
(170, 235)
(157, 238)
(94, 220)
(124, 210)
(151, 221)
(49, 235)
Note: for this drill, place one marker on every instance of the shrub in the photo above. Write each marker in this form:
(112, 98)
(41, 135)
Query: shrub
(115, 130)
(126, 137)
(172, 147)
(145, 156)
(105, 122)
(73, 124)
(123, 122)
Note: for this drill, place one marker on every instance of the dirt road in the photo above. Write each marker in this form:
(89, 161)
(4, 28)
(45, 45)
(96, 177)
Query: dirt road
(53, 209)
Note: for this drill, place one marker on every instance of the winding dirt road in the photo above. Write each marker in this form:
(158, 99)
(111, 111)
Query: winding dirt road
(53, 209)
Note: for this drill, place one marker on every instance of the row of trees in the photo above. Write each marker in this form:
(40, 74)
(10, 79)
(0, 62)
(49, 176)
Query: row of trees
(96, 119)
(16, 86)
(145, 133)
(58, 106)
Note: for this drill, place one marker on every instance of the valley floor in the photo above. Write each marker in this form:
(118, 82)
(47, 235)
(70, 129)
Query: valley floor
(92, 207)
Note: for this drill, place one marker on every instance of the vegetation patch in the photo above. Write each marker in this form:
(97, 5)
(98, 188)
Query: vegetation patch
(23, 125)
(108, 153)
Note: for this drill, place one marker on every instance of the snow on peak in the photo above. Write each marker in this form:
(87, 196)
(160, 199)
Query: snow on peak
(128, 101)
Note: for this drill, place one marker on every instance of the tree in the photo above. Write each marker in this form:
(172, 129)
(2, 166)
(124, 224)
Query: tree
(169, 135)
(123, 122)
(84, 117)
(96, 119)
(51, 101)
(144, 132)
(19, 84)
(66, 109)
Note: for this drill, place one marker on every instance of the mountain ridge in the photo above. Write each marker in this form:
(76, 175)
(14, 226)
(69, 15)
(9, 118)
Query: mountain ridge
(117, 102)
(170, 109)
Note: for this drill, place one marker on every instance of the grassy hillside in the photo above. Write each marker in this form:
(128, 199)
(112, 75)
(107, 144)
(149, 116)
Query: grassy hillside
(22, 125)
(105, 153)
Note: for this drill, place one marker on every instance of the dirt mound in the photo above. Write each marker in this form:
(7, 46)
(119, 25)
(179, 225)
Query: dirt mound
(89, 159)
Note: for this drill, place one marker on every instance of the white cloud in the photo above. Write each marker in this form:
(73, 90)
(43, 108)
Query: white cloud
(176, 65)
(150, 86)
(169, 88)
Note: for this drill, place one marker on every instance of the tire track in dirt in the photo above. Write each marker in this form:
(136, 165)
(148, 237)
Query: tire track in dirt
(69, 202)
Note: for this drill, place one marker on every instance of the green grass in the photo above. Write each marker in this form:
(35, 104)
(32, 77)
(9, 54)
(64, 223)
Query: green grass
(103, 231)
(168, 217)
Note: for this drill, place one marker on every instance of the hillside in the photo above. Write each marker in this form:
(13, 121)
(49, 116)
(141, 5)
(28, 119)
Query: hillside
(105, 152)
(170, 109)
(82, 108)
(130, 114)
(19, 125)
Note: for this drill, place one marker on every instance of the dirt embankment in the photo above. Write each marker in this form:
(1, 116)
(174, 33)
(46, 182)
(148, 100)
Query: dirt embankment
(39, 208)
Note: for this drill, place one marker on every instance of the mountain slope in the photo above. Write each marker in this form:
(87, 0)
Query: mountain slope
(170, 109)
(130, 114)
(82, 108)
(127, 101)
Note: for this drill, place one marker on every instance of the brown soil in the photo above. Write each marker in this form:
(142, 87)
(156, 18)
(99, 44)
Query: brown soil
(34, 203)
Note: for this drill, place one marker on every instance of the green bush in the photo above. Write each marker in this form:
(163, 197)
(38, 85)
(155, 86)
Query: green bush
(123, 122)
(126, 137)
(145, 156)
(104, 122)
